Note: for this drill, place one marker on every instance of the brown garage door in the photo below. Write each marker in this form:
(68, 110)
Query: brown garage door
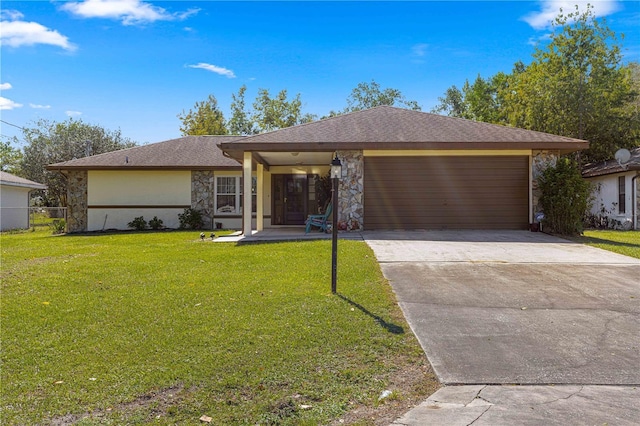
(484, 192)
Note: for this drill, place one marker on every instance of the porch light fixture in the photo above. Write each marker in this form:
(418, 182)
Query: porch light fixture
(336, 168)
(336, 175)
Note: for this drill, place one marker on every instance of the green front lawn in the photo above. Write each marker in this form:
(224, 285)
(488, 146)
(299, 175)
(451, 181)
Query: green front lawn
(164, 328)
(623, 242)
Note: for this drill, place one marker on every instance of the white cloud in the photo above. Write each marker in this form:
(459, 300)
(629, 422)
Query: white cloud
(36, 106)
(551, 8)
(6, 104)
(420, 49)
(11, 15)
(130, 12)
(73, 113)
(21, 33)
(5, 86)
(214, 68)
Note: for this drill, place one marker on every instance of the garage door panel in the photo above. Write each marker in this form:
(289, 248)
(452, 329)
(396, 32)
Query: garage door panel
(446, 192)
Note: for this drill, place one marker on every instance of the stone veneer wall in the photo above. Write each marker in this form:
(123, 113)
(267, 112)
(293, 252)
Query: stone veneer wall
(351, 189)
(77, 200)
(202, 193)
(540, 161)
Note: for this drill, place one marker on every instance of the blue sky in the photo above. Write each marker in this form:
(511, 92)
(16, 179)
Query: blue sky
(135, 65)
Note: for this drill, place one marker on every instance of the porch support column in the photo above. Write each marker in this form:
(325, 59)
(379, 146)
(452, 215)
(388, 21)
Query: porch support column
(260, 198)
(246, 194)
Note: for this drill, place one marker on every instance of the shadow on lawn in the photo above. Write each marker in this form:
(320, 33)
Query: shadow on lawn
(391, 328)
(595, 240)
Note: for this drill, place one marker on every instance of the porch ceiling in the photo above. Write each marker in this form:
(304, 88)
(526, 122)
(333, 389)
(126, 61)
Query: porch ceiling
(295, 158)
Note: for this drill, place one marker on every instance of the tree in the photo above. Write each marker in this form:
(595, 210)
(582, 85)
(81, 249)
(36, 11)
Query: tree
(50, 142)
(576, 86)
(632, 108)
(204, 119)
(370, 95)
(240, 122)
(10, 157)
(452, 103)
(484, 100)
(269, 113)
(278, 112)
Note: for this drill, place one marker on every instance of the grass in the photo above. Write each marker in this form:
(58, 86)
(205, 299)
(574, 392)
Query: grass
(163, 328)
(622, 242)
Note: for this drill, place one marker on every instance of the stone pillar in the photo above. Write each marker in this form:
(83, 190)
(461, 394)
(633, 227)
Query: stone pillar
(202, 194)
(351, 202)
(539, 162)
(77, 201)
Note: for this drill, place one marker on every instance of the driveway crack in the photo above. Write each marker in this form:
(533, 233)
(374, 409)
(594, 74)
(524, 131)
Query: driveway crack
(481, 414)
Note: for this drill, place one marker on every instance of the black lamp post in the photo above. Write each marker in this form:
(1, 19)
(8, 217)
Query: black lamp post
(336, 174)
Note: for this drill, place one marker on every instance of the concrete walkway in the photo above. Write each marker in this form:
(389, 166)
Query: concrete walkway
(527, 405)
(497, 309)
(283, 233)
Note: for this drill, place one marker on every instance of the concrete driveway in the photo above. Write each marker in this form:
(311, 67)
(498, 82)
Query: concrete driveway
(516, 307)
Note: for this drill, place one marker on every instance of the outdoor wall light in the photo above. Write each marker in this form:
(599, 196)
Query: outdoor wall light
(336, 168)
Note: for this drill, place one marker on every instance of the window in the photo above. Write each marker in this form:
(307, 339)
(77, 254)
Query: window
(229, 194)
(621, 195)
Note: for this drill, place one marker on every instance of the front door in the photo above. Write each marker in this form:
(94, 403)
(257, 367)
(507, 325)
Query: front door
(289, 199)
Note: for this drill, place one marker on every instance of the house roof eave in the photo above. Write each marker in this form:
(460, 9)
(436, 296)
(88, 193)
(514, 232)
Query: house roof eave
(63, 168)
(235, 149)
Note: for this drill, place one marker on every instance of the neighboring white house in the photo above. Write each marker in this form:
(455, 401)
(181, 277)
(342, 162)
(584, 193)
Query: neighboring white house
(615, 190)
(14, 201)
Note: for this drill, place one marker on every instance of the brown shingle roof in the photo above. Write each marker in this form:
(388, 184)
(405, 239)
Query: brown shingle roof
(608, 167)
(13, 180)
(188, 152)
(386, 127)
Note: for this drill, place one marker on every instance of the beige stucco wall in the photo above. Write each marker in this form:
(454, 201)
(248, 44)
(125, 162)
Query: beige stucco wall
(138, 191)
(14, 203)
(148, 187)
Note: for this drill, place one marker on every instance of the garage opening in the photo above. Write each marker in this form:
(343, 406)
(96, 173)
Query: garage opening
(465, 192)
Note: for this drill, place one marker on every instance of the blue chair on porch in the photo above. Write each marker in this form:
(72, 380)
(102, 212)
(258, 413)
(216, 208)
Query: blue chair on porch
(319, 220)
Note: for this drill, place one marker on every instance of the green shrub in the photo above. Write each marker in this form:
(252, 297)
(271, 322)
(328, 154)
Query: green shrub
(155, 223)
(565, 197)
(190, 219)
(58, 226)
(139, 224)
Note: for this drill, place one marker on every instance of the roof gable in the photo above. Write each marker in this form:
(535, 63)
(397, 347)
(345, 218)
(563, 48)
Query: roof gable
(189, 152)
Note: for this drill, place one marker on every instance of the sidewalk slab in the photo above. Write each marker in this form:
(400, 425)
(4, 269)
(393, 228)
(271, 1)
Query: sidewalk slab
(527, 405)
